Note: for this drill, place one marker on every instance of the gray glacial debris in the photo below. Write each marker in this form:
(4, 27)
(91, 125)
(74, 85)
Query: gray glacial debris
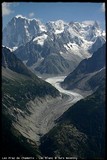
(41, 114)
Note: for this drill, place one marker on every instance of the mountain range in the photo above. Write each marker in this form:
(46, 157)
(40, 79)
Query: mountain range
(30, 105)
(39, 45)
(80, 131)
(85, 76)
(19, 87)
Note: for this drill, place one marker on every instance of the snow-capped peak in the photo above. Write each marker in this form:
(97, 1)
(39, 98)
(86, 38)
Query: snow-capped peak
(40, 39)
(19, 16)
(56, 26)
(41, 27)
(28, 19)
(58, 23)
(21, 30)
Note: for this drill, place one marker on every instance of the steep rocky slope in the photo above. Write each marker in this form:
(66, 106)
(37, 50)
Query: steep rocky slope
(80, 131)
(19, 87)
(34, 42)
(83, 77)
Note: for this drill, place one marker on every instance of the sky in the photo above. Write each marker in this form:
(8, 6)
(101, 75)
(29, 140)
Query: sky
(51, 11)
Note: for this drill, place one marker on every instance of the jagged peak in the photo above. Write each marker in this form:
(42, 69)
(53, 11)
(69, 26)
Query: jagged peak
(19, 16)
(57, 22)
(23, 17)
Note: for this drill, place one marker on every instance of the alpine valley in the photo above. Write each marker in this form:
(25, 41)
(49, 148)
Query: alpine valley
(53, 89)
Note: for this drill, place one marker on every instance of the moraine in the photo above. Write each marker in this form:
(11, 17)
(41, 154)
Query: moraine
(44, 113)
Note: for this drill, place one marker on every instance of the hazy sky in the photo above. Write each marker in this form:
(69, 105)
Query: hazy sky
(50, 11)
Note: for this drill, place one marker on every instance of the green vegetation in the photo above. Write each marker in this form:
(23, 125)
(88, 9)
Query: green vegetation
(80, 131)
(14, 144)
(19, 86)
(18, 93)
(64, 140)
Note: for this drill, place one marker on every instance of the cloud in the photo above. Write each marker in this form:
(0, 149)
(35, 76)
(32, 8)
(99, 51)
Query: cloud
(103, 7)
(6, 10)
(31, 14)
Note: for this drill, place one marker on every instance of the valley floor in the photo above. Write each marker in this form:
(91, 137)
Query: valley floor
(44, 112)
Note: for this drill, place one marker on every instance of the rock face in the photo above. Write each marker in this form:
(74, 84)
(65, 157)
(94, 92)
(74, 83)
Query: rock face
(35, 41)
(83, 76)
(80, 131)
(97, 44)
(13, 70)
(19, 87)
(55, 64)
(20, 30)
(53, 48)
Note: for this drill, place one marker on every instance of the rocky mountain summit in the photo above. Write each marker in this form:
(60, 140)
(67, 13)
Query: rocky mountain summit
(38, 44)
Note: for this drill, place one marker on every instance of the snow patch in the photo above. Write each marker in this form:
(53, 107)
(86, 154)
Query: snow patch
(20, 16)
(42, 28)
(25, 61)
(66, 46)
(70, 45)
(61, 53)
(103, 33)
(40, 39)
(14, 48)
(57, 26)
(7, 48)
(25, 27)
(74, 49)
(59, 31)
(27, 33)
